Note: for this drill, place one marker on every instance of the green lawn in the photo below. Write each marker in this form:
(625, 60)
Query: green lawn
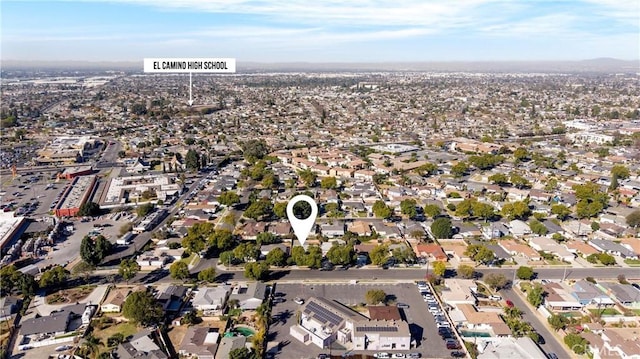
(605, 311)
(127, 329)
(633, 262)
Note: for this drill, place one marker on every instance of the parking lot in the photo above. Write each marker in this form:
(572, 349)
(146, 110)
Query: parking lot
(32, 195)
(421, 322)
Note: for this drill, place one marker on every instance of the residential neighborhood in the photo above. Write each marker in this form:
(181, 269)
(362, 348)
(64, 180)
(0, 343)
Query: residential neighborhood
(483, 215)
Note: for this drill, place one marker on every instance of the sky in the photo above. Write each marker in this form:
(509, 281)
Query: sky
(320, 30)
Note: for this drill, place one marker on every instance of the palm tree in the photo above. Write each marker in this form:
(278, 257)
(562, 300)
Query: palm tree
(91, 346)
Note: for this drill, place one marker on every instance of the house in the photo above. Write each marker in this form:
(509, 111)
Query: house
(520, 250)
(546, 244)
(142, 345)
(432, 251)
(280, 229)
(625, 294)
(114, 301)
(210, 298)
(468, 316)
(250, 295)
(459, 291)
(612, 248)
(55, 323)
(227, 344)
(8, 306)
(266, 248)
(588, 293)
(200, 342)
(171, 297)
(519, 228)
(360, 228)
(501, 347)
(332, 230)
(559, 297)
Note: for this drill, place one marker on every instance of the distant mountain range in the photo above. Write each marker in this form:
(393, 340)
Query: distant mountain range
(599, 65)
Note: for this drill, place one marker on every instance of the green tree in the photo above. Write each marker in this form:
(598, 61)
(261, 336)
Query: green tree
(620, 171)
(142, 308)
(521, 154)
(464, 209)
(259, 209)
(499, 178)
(578, 344)
(89, 209)
(54, 277)
(280, 209)
(144, 209)
(633, 219)
(229, 198)
(221, 239)
(538, 228)
(128, 269)
(308, 177)
(242, 353)
(381, 210)
(606, 259)
(558, 321)
(562, 212)
(179, 270)
(246, 252)
(483, 211)
(276, 257)
(93, 251)
(432, 210)
(207, 275)
(254, 150)
(439, 268)
(472, 349)
(403, 255)
(329, 183)
(265, 238)
(192, 160)
(441, 228)
(525, 273)
(256, 270)
(516, 210)
(466, 271)
(479, 253)
(535, 295)
(426, 169)
(519, 181)
(459, 169)
(340, 254)
(375, 296)
(591, 200)
(496, 281)
(379, 254)
(408, 207)
(313, 257)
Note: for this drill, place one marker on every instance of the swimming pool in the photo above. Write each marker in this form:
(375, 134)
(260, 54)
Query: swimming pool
(472, 334)
(244, 331)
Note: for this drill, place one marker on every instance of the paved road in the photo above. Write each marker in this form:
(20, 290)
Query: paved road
(551, 344)
(393, 275)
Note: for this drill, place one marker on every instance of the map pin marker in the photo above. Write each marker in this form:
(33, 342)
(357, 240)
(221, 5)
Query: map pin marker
(302, 227)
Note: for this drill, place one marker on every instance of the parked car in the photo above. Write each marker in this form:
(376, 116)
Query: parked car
(509, 303)
(495, 297)
(402, 305)
(398, 355)
(298, 300)
(381, 355)
(414, 355)
(452, 344)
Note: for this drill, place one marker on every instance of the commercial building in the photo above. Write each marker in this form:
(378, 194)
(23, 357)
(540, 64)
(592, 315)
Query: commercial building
(75, 196)
(324, 322)
(65, 150)
(73, 172)
(10, 229)
(140, 188)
